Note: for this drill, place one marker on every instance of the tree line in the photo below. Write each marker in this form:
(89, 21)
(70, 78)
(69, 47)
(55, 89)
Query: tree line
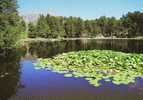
(11, 24)
(128, 26)
(13, 27)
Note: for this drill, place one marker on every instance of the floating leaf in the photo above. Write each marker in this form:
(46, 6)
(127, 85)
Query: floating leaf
(96, 65)
(68, 75)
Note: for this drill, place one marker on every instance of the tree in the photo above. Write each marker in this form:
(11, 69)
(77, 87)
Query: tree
(56, 25)
(80, 28)
(31, 31)
(69, 27)
(134, 23)
(60, 27)
(22, 25)
(102, 22)
(130, 25)
(9, 23)
(43, 29)
(89, 27)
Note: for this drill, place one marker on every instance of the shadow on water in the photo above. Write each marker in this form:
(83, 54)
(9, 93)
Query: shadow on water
(9, 73)
(49, 49)
(22, 81)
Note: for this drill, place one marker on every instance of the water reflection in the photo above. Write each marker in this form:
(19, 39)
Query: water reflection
(52, 86)
(48, 49)
(19, 78)
(9, 74)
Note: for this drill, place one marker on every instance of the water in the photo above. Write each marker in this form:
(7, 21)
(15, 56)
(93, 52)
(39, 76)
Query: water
(52, 48)
(19, 80)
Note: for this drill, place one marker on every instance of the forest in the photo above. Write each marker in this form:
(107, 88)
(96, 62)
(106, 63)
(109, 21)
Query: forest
(128, 26)
(13, 27)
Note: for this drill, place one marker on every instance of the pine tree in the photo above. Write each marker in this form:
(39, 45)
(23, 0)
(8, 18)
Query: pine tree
(9, 23)
(43, 29)
(32, 31)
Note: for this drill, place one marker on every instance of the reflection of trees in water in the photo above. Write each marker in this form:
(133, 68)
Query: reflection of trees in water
(9, 74)
(118, 45)
(43, 49)
(48, 49)
(136, 45)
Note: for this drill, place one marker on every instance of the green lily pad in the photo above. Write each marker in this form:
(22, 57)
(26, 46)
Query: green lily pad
(96, 65)
(67, 75)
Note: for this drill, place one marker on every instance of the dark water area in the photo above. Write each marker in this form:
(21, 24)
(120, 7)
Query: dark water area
(19, 80)
(49, 49)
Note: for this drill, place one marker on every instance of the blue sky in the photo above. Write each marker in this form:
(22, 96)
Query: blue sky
(88, 9)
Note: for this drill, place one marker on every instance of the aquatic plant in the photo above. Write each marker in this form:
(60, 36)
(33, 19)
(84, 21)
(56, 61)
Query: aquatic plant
(96, 65)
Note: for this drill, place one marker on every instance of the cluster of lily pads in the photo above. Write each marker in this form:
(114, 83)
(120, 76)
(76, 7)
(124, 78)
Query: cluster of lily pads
(96, 65)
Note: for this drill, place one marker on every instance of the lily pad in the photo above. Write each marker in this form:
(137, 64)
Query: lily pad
(96, 65)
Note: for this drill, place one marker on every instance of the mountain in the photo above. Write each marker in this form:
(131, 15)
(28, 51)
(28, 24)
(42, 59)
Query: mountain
(31, 17)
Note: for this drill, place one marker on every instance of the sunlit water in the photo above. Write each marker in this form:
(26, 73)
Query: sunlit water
(23, 80)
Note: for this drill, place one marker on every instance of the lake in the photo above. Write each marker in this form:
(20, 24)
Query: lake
(19, 80)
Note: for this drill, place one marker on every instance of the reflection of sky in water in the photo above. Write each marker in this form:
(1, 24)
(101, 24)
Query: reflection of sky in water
(45, 83)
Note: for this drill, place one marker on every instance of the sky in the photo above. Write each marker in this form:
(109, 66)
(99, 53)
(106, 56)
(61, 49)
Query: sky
(87, 9)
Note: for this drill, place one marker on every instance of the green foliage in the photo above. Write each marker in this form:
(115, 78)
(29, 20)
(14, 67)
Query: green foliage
(96, 65)
(43, 29)
(130, 25)
(11, 25)
(22, 25)
(134, 23)
(32, 30)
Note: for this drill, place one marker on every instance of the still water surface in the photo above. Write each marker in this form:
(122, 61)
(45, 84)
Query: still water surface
(19, 79)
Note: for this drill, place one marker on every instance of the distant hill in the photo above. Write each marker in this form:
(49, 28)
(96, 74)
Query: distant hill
(30, 17)
(33, 17)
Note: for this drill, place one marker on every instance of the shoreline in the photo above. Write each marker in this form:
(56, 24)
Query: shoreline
(61, 39)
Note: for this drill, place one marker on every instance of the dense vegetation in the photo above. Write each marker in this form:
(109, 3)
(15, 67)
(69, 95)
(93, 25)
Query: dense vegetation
(96, 65)
(12, 26)
(130, 25)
